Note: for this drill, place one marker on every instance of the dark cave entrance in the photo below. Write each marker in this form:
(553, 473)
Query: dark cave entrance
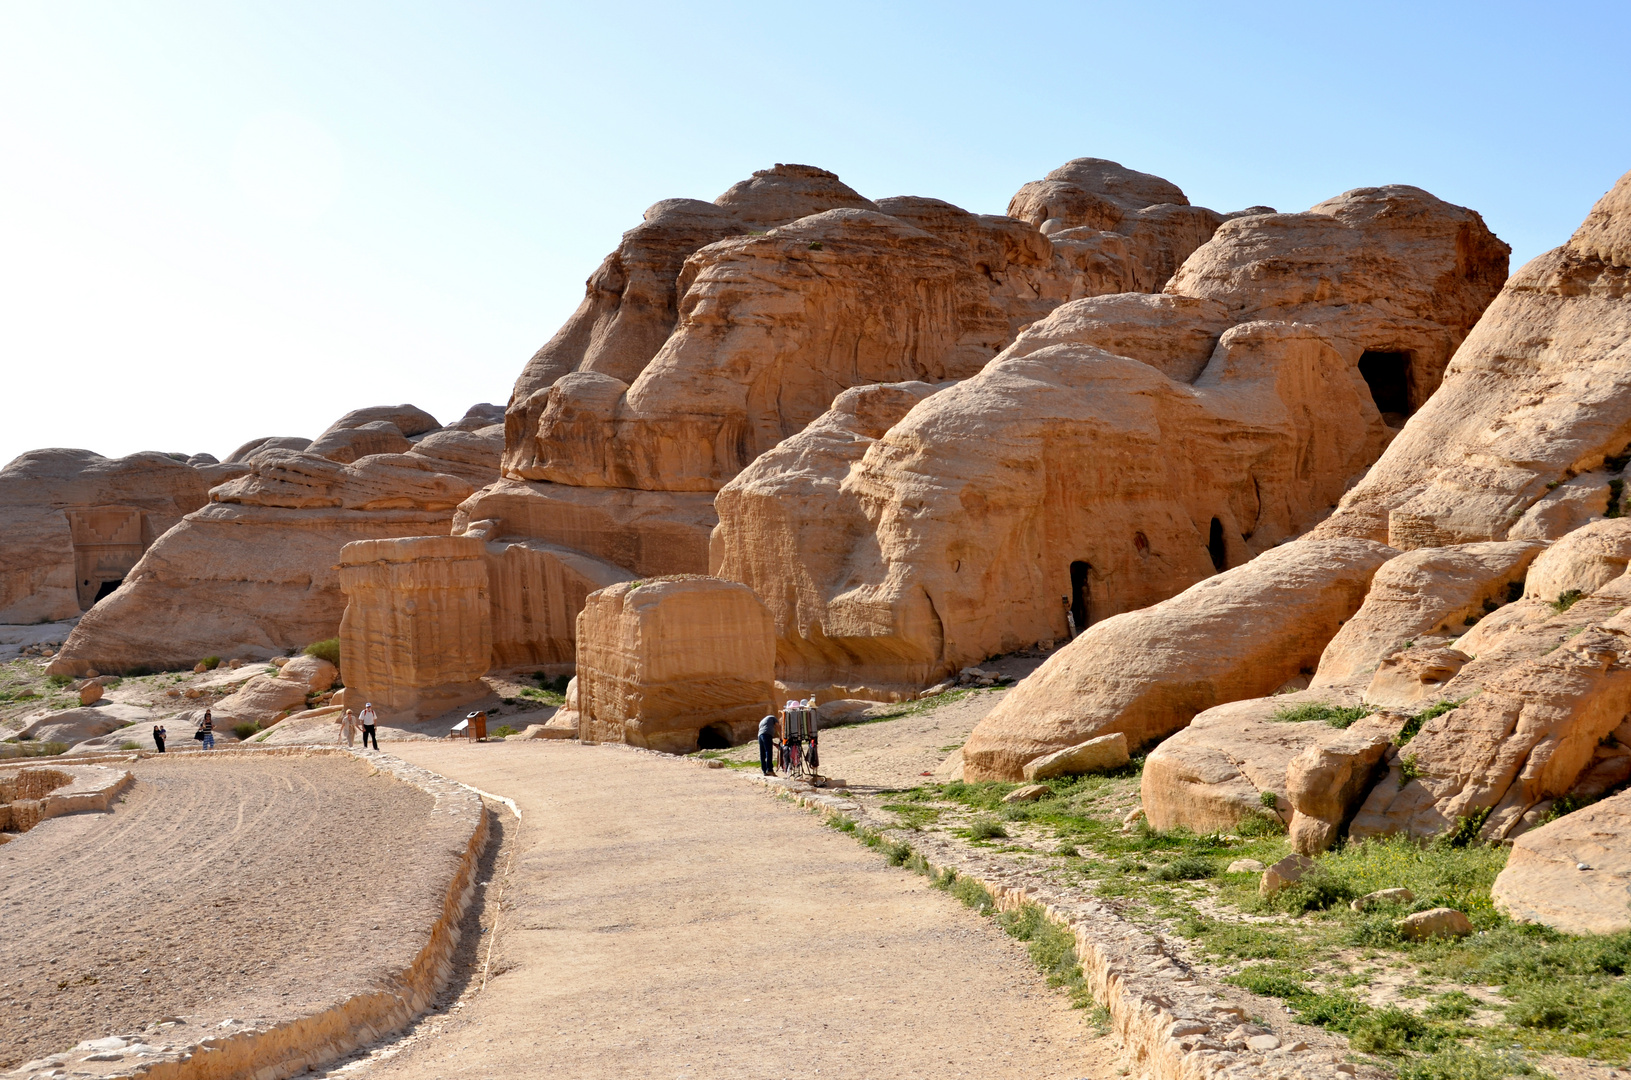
(1388, 376)
(714, 737)
(1079, 593)
(1216, 548)
(107, 589)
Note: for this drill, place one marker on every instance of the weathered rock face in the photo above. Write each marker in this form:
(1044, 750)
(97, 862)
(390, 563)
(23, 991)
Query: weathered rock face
(1119, 451)
(266, 699)
(661, 662)
(1538, 700)
(1438, 591)
(1582, 562)
(1236, 760)
(719, 329)
(472, 453)
(1146, 673)
(73, 523)
(253, 572)
(1534, 397)
(1573, 873)
(536, 591)
(416, 636)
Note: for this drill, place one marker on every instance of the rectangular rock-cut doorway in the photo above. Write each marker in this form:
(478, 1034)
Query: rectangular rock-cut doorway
(108, 541)
(1388, 376)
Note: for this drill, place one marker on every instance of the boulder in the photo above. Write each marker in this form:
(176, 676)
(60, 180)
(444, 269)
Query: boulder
(471, 455)
(74, 726)
(1383, 896)
(661, 660)
(255, 446)
(1288, 871)
(1145, 674)
(1434, 922)
(253, 572)
(1326, 782)
(409, 420)
(1028, 793)
(416, 636)
(263, 700)
(1582, 562)
(1094, 755)
(1428, 591)
(90, 693)
(312, 672)
(1572, 874)
(1245, 866)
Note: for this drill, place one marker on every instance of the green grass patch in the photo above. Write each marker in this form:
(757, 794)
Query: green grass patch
(246, 729)
(1413, 725)
(211, 662)
(985, 828)
(1337, 716)
(1566, 600)
(1052, 949)
(30, 749)
(913, 816)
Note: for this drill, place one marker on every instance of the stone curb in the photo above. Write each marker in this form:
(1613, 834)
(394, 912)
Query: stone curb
(285, 1049)
(1170, 1024)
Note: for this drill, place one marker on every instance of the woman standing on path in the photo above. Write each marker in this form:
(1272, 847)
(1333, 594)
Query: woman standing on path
(158, 736)
(208, 728)
(348, 729)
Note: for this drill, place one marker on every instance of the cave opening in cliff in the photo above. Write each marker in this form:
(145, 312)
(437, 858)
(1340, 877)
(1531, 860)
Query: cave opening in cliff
(1388, 376)
(714, 737)
(1216, 548)
(1079, 593)
(107, 589)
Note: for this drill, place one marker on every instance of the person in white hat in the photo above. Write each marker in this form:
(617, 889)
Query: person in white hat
(369, 718)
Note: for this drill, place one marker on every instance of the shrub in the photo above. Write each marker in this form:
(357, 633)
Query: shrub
(841, 822)
(1455, 1005)
(245, 729)
(1316, 890)
(504, 731)
(1413, 725)
(1335, 715)
(973, 895)
(1408, 769)
(1269, 799)
(59, 680)
(986, 828)
(327, 649)
(1460, 1063)
(1185, 868)
(211, 662)
(1566, 600)
(1270, 980)
(1255, 825)
(128, 745)
(897, 852)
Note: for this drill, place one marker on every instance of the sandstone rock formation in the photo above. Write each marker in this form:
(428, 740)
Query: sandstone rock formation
(253, 572)
(1572, 874)
(416, 637)
(73, 523)
(266, 699)
(76, 725)
(1121, 449)
(1146, 673)
(669, 663)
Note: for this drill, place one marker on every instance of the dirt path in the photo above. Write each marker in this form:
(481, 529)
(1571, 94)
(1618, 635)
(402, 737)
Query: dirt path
(219, 888)
(663, 920)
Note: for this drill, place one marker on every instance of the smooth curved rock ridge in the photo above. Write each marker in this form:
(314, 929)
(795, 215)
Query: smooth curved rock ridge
(1240, 634)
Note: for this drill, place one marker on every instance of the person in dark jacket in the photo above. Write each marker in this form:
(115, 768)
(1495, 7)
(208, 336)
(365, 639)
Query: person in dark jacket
(767, 756)
(158, 736)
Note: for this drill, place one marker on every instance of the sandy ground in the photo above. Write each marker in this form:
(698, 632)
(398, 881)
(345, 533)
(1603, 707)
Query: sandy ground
(658, 919)
(219, 888)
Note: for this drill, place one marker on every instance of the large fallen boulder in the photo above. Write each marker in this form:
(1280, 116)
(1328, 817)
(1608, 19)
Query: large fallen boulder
(669, 663)
(73, 726)
(1146, 674)
(1572, 874)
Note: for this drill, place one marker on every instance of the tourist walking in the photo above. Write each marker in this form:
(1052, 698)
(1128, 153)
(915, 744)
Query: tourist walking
(206, 731)
(369, 719)
(767, 756)
(158, 736)
(348, 729)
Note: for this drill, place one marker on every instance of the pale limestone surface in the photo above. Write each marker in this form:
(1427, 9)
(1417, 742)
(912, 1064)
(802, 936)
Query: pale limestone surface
(1146, 673)
(416, 636)
(660, 660)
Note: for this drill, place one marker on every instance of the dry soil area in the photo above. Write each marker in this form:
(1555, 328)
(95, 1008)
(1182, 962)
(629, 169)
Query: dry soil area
(662, 920)
(220, 888)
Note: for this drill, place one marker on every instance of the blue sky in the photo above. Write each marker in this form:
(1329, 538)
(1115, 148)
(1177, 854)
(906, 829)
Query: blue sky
(220, 221)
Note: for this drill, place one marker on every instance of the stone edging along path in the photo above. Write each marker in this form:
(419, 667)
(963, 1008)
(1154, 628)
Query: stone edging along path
(1170, 1024)
(285, 1049)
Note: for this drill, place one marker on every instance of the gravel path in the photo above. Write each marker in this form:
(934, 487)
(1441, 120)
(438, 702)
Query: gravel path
(220, 888)
(663, 920)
